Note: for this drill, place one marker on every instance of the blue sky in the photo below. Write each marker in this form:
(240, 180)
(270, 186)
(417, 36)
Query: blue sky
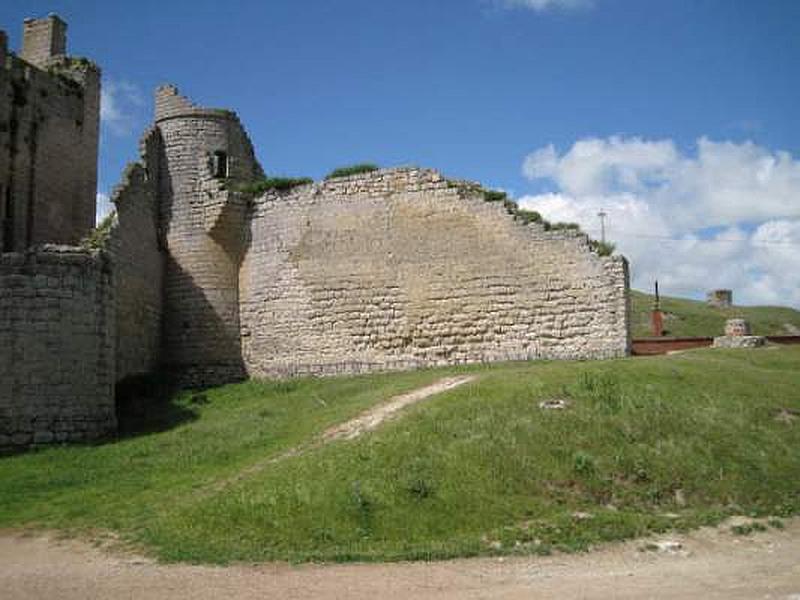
(639, 106)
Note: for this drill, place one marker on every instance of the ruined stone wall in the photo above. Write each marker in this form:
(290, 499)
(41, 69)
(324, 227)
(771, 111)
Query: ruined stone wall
(204, 222)
(49, 124)
(400, 268)
(5, 144)
(56, 347)
(138, 264)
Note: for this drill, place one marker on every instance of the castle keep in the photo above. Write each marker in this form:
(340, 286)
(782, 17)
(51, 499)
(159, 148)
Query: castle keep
(391, 269)
(49, 119)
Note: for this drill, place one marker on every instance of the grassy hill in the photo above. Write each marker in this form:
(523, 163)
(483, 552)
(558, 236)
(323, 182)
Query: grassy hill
(645, 445)
(690, 318)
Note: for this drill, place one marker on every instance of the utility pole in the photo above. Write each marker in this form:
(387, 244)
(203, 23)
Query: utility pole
(656, 316)
(602, 214)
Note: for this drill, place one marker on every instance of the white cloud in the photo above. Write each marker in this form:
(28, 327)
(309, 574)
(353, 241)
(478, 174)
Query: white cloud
(544, 5)
(120, 102)
(104, 207)
(661, 203)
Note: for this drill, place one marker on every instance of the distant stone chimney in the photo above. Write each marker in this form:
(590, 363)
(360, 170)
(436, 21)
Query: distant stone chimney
(720, 298)
(42, 39)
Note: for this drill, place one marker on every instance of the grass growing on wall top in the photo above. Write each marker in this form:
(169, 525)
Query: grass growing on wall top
(645, 445)
(274, 183)
(531, 216)
(352, 170)
(98, 237)
(602, 248)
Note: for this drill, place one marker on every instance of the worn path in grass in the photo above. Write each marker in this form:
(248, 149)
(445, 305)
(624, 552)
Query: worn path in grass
(712, 563)
(363, 423)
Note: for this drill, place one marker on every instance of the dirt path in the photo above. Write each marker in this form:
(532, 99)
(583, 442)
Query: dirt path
(366, 421)
(370, 419)
(711, 564)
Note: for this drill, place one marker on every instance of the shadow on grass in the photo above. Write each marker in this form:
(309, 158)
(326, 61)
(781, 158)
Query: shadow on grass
(147, 404)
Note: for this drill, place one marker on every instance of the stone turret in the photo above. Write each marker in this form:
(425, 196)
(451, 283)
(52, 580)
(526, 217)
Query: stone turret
(43, 39)
(206, 154)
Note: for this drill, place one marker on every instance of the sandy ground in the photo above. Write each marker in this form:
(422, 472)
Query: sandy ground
(708, 564)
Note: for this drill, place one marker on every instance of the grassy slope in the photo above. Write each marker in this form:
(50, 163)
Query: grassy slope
(688, 318)
(479, 469)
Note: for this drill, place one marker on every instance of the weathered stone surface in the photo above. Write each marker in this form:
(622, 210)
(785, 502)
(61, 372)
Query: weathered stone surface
(49, 124)
(737, 327)
(56, 347)
(138, 264)
(739, 341)
(205, 236)
(400, 268)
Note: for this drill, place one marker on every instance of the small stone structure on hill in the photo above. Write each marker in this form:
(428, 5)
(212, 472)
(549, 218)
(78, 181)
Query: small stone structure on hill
(720, 298)
(738, 335)
(199, 276)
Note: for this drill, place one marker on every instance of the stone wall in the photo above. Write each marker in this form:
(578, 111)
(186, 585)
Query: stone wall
(49, 124)
(138, 263)
(401, 268)
(56, 347)
(6, 224)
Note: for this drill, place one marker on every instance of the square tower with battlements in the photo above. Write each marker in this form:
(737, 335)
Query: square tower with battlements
(49, 126)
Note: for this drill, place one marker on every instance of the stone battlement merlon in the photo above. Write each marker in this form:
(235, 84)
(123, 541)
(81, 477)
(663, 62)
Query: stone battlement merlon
(43, 39)
(170, 104)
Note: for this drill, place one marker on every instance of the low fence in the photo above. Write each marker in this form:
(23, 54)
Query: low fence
(662, 345)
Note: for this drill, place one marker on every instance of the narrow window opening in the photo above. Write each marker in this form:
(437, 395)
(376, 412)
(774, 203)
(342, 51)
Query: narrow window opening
(219, 164)
(8, 221)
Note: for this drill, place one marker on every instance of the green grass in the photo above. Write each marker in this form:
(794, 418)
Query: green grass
(477, 470)
(690, 318)
(280, 184)
(98, 237)
(531, 216)
(352, 170)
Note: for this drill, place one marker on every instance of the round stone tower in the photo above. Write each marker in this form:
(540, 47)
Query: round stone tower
(206, 154)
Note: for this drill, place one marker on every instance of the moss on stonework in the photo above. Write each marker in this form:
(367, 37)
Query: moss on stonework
(79, 62)
(99, 236)
(531, 216)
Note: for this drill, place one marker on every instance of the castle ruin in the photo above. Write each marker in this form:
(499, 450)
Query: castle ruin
(391, 269)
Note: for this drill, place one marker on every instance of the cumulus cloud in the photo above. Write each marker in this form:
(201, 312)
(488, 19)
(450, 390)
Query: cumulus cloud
(544, 5)
(120, 103)
(103, 207)
(724, 215)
